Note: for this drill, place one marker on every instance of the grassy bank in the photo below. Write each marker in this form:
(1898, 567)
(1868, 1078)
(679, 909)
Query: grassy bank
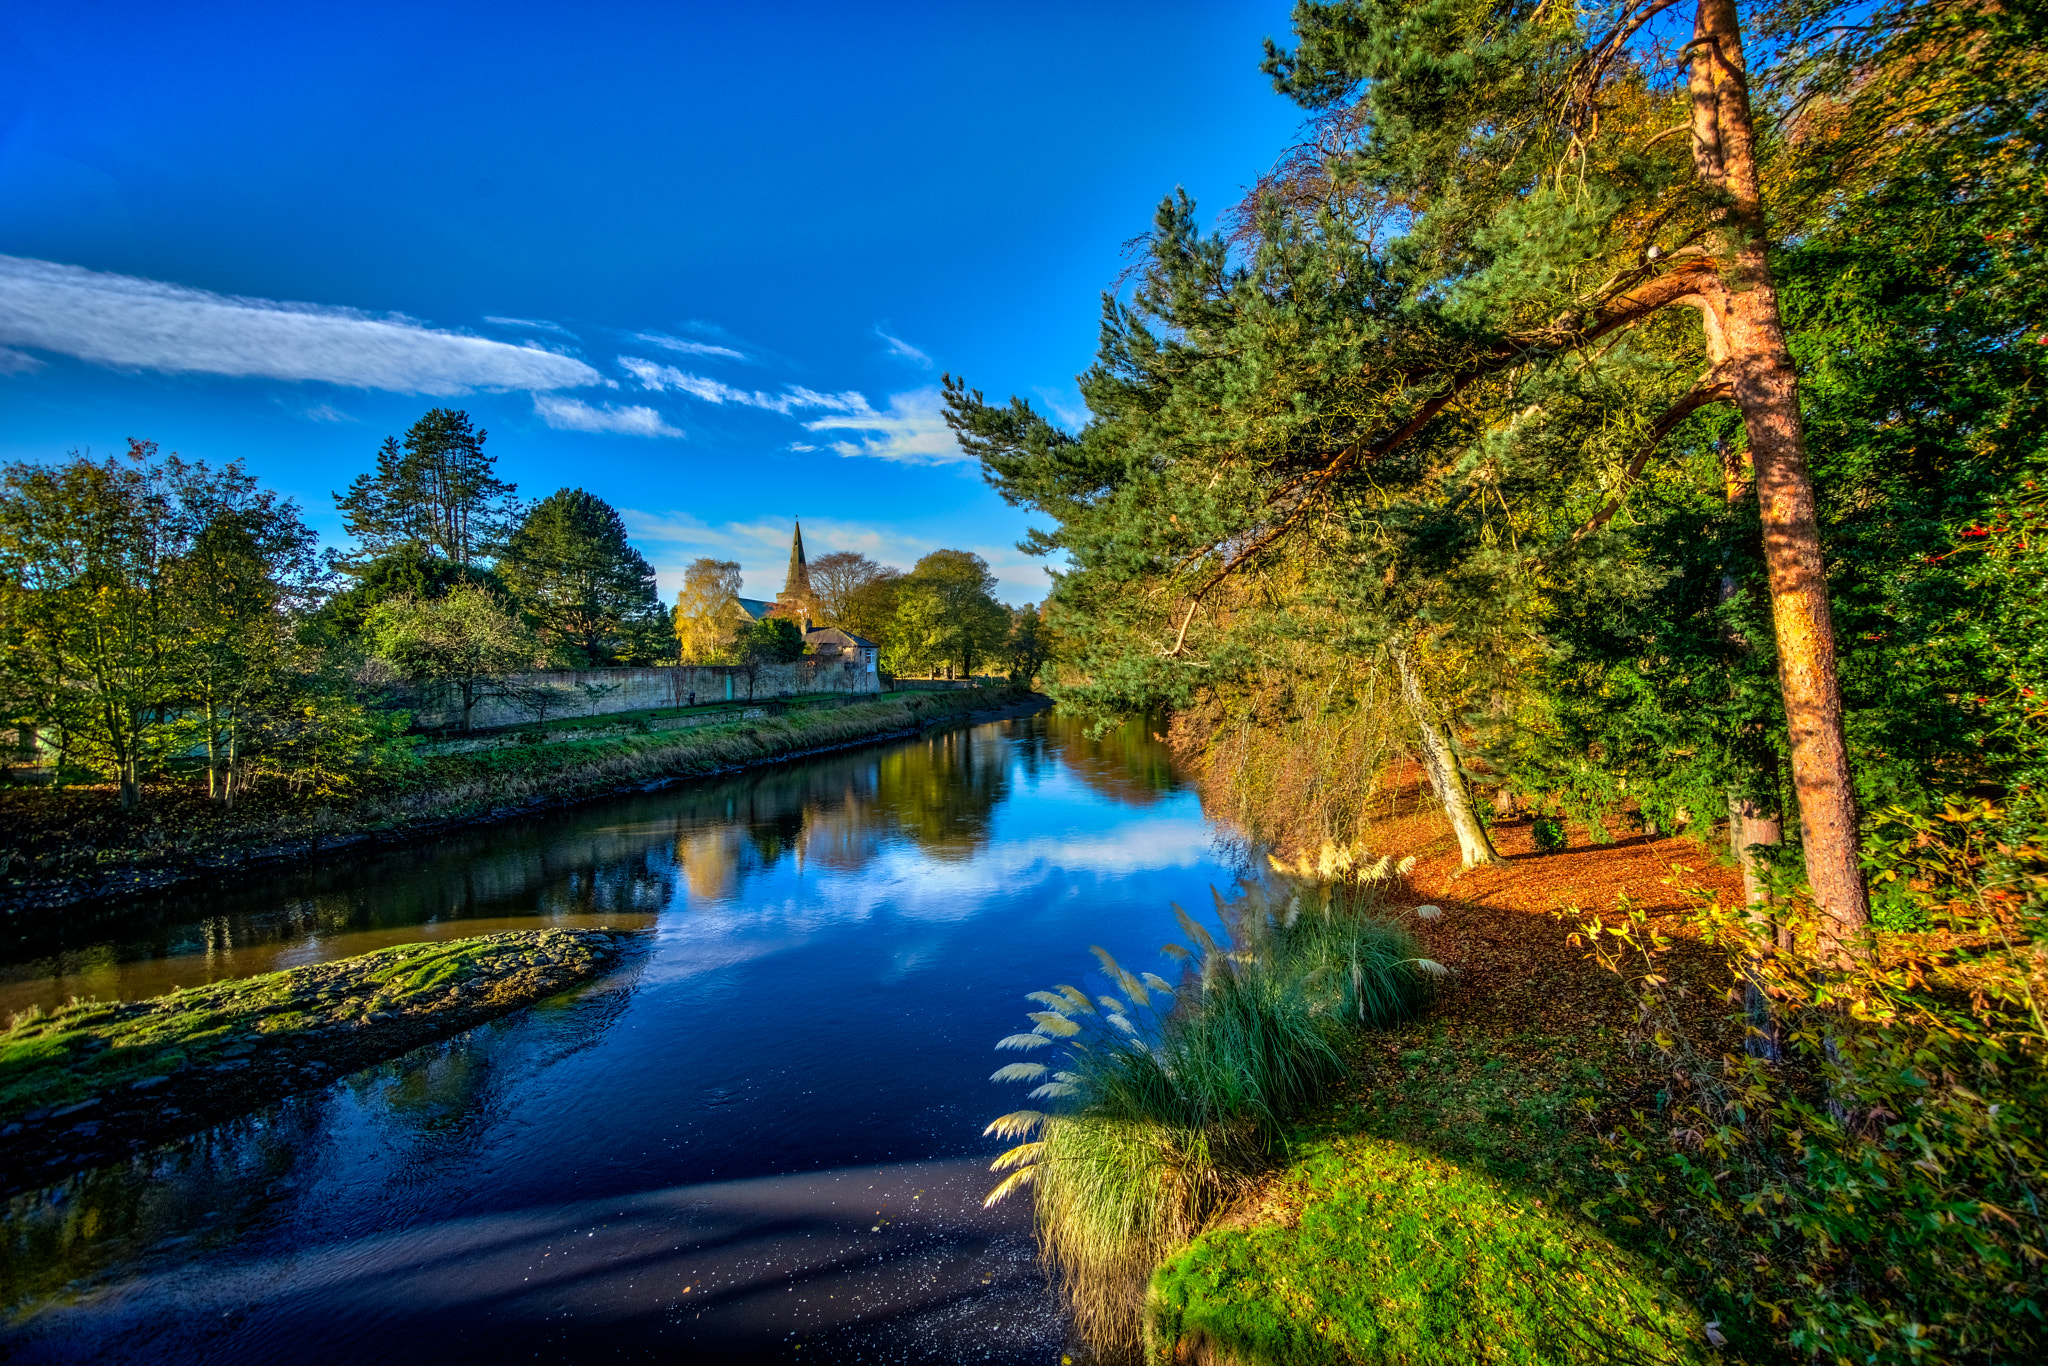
(64, 847)
(1442, 1194)
(95, 1080)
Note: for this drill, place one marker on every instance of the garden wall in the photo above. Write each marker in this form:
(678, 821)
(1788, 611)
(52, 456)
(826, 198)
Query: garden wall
(598, 692)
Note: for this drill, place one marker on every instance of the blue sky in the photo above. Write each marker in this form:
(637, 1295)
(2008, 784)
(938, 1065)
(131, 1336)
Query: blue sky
(707, 262)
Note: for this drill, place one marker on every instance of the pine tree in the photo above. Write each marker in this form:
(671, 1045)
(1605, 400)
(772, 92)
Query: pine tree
(437, 490)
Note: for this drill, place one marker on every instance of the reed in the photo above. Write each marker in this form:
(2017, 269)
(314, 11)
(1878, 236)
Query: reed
(1165, 1101)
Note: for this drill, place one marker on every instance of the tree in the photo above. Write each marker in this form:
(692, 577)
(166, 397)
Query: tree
(240, 589)
(569, 567)
(437, 490)
(1027, 647)
(869, 609)
(946, 611)
(465, 642)
(837, 578)
(708, 616)
(409, 571)
(1548, 222)
(772, 640)
(140, 589)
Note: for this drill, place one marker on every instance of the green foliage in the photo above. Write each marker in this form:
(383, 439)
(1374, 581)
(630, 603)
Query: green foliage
(1548, 833)
(946, 613)
(465, 642)
(1028, 646)
(438, 492)
(771, 640)
(590, 595)
(1876, 1195)
(1400, 1255)
(150, 608)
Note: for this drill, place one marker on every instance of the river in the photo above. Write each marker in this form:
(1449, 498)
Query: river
(760, 1141)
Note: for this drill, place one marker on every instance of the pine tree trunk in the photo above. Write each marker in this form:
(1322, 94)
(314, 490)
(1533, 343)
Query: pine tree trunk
(1766, 390)
(1445, 775)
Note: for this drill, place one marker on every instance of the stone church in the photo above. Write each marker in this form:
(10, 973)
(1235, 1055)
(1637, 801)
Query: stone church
(800, 603)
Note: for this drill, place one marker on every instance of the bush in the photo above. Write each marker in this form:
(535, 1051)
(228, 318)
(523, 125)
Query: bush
(1876, 1196)
(1548, 832)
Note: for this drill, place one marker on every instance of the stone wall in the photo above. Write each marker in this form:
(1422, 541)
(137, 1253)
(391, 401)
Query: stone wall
(599, 692)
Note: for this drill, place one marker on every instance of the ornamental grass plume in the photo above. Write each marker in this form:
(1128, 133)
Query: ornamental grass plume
(1163, 1102)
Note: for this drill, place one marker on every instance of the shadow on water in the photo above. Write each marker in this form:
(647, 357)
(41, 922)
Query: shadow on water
(765, 1134)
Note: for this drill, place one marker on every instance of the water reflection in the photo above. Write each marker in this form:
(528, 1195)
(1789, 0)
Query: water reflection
(615, 864)
(767, 1131)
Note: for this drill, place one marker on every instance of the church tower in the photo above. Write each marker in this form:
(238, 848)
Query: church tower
(799, 581)
(797, 598)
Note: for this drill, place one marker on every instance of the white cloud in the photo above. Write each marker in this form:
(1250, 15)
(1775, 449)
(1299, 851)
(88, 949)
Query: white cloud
(121, 320)
(574, 415)
(327, 412)
(536, 324)
(662, 378)
(912, 432)
(799, 446)
(14, 362)
(1071, 413)
(689, 348)
(903, 350)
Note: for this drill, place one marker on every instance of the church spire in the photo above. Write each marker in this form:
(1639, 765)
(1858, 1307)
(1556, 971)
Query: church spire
(799, 583)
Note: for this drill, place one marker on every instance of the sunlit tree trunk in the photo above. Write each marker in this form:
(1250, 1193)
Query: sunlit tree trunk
(1759, 366)
(1445, 775)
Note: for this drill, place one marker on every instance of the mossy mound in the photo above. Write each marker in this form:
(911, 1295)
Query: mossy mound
(1398, 1255)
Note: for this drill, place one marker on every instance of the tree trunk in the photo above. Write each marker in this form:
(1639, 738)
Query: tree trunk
(1766, 390)
(1751, 823)
(1444, 773)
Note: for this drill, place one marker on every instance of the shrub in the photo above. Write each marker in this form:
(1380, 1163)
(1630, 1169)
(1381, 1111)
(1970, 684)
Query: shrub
(1548, 832)
(1877, 1195)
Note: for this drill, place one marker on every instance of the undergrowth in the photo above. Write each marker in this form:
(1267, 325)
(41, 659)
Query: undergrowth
(1878, 1191)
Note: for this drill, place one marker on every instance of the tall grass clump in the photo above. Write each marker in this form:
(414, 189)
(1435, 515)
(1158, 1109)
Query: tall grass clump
(1164, 1101)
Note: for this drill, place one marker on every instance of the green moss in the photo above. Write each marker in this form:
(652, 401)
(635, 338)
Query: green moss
(1402, 1255)
(91, 1047)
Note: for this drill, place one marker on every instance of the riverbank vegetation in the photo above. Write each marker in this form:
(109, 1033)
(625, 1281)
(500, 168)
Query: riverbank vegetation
(1634, 414)
(81, 843)
(1169, 1108)
(95, 1080)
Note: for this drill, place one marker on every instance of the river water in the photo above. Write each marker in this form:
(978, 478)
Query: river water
(761, 1140)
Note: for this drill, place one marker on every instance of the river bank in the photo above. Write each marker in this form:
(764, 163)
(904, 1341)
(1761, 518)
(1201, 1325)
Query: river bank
(75, 849)
(96, 1080)
(1445, 1202)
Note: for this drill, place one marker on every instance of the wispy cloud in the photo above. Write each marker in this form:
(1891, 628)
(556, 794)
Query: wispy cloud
(903, 350)
(912, 432)
(327, 412)
(799, 446)
(124, 321)
(688, 348)
(531, 324)
(14, 362)
(574, 415)
(662, 378)
(1067, 407)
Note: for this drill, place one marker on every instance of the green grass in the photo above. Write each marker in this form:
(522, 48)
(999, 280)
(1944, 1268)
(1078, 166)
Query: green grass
(1402, 1255)
(1442, 1203)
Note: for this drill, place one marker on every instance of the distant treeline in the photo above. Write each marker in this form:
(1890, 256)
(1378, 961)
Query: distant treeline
(161, 616)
